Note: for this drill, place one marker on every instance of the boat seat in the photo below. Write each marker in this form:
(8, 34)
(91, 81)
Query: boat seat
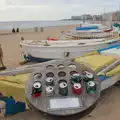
(18, 79)
(14, 86)
(96, 62)
(114, 71)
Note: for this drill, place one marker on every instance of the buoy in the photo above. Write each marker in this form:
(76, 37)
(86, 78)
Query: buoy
(77, 88)
(91, 87)
(36, 89)
(63, 88)
(49, 91)
(49, 81)
(75, 78)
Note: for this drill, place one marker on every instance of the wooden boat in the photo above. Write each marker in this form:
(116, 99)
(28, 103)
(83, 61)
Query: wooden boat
(64, 49)
(13, 81)
(76, 35)
(111, 51)
(90, 32)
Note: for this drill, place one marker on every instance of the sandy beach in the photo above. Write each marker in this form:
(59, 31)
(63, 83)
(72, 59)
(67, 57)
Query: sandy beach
(109, 106)
(10, 42)
(107, 109)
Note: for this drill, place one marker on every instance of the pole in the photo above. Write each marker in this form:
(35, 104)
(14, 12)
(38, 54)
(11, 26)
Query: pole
(104, 17)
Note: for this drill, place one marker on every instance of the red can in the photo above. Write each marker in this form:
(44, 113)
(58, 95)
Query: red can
(77, 88)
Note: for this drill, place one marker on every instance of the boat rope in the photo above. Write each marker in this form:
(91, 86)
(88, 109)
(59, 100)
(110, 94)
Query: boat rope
(63, 88)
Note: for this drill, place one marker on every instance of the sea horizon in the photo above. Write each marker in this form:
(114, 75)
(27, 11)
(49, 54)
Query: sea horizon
(5, 25)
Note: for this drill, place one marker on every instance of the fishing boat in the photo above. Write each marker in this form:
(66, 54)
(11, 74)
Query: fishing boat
(111, 51)
(90, 32)
(12, 81)
(64, 49)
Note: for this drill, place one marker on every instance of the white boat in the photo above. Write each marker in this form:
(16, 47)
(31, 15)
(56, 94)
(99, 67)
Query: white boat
(64, 49)
(91, 34)
(85, 33)
(111, 51)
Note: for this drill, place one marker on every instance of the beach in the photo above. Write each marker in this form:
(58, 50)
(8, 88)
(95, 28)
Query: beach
(10, 41)
(108, 107)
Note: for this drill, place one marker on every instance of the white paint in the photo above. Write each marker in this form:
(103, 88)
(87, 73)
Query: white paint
(64, 103)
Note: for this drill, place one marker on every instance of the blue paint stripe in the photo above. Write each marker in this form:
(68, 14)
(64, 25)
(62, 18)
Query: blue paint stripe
(102, 78)
(117, 46)
(87, 28)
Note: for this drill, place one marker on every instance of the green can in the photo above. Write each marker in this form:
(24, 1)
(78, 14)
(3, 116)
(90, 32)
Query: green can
(75, 78)
(91, 87)
(63, 89)
(87, 76)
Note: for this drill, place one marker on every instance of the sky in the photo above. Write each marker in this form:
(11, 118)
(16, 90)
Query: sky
(20, 10)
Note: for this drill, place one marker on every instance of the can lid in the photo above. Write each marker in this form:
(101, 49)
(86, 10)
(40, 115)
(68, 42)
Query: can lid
(76, 74)
(49, 79)
(89, 75)
(77, 85)
(63, 84)
(91, 83)
(72, 66)
(37, 84)
(49, 89)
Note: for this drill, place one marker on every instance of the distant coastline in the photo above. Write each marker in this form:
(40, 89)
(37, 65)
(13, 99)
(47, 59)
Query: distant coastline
(70, 20)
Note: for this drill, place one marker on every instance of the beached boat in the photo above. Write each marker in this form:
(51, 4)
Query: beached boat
(64, 49)
(13, 81)
(111, 51)
(90, 32)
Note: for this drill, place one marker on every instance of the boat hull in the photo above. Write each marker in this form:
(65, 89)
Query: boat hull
(62, 52)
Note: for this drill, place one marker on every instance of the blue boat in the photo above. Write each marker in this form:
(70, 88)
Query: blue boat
(87, 28)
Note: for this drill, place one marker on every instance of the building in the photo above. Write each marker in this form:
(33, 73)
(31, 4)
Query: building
(97, 17)
(118, 15)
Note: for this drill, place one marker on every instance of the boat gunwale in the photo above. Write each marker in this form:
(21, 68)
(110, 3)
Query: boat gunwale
(69, 44)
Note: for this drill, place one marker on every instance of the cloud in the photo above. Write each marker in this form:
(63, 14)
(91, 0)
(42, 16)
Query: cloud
(57, 2)
(52, 9)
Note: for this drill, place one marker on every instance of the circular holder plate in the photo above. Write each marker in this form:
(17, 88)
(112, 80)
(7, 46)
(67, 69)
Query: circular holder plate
(56, 104)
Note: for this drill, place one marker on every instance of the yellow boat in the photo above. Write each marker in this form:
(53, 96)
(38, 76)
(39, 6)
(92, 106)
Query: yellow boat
(14, 85)
(98, 62)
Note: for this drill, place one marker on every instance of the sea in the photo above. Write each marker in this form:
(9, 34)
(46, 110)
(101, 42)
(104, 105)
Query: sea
(32, 24)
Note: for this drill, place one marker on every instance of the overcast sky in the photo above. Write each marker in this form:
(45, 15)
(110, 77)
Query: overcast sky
(11, 10)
